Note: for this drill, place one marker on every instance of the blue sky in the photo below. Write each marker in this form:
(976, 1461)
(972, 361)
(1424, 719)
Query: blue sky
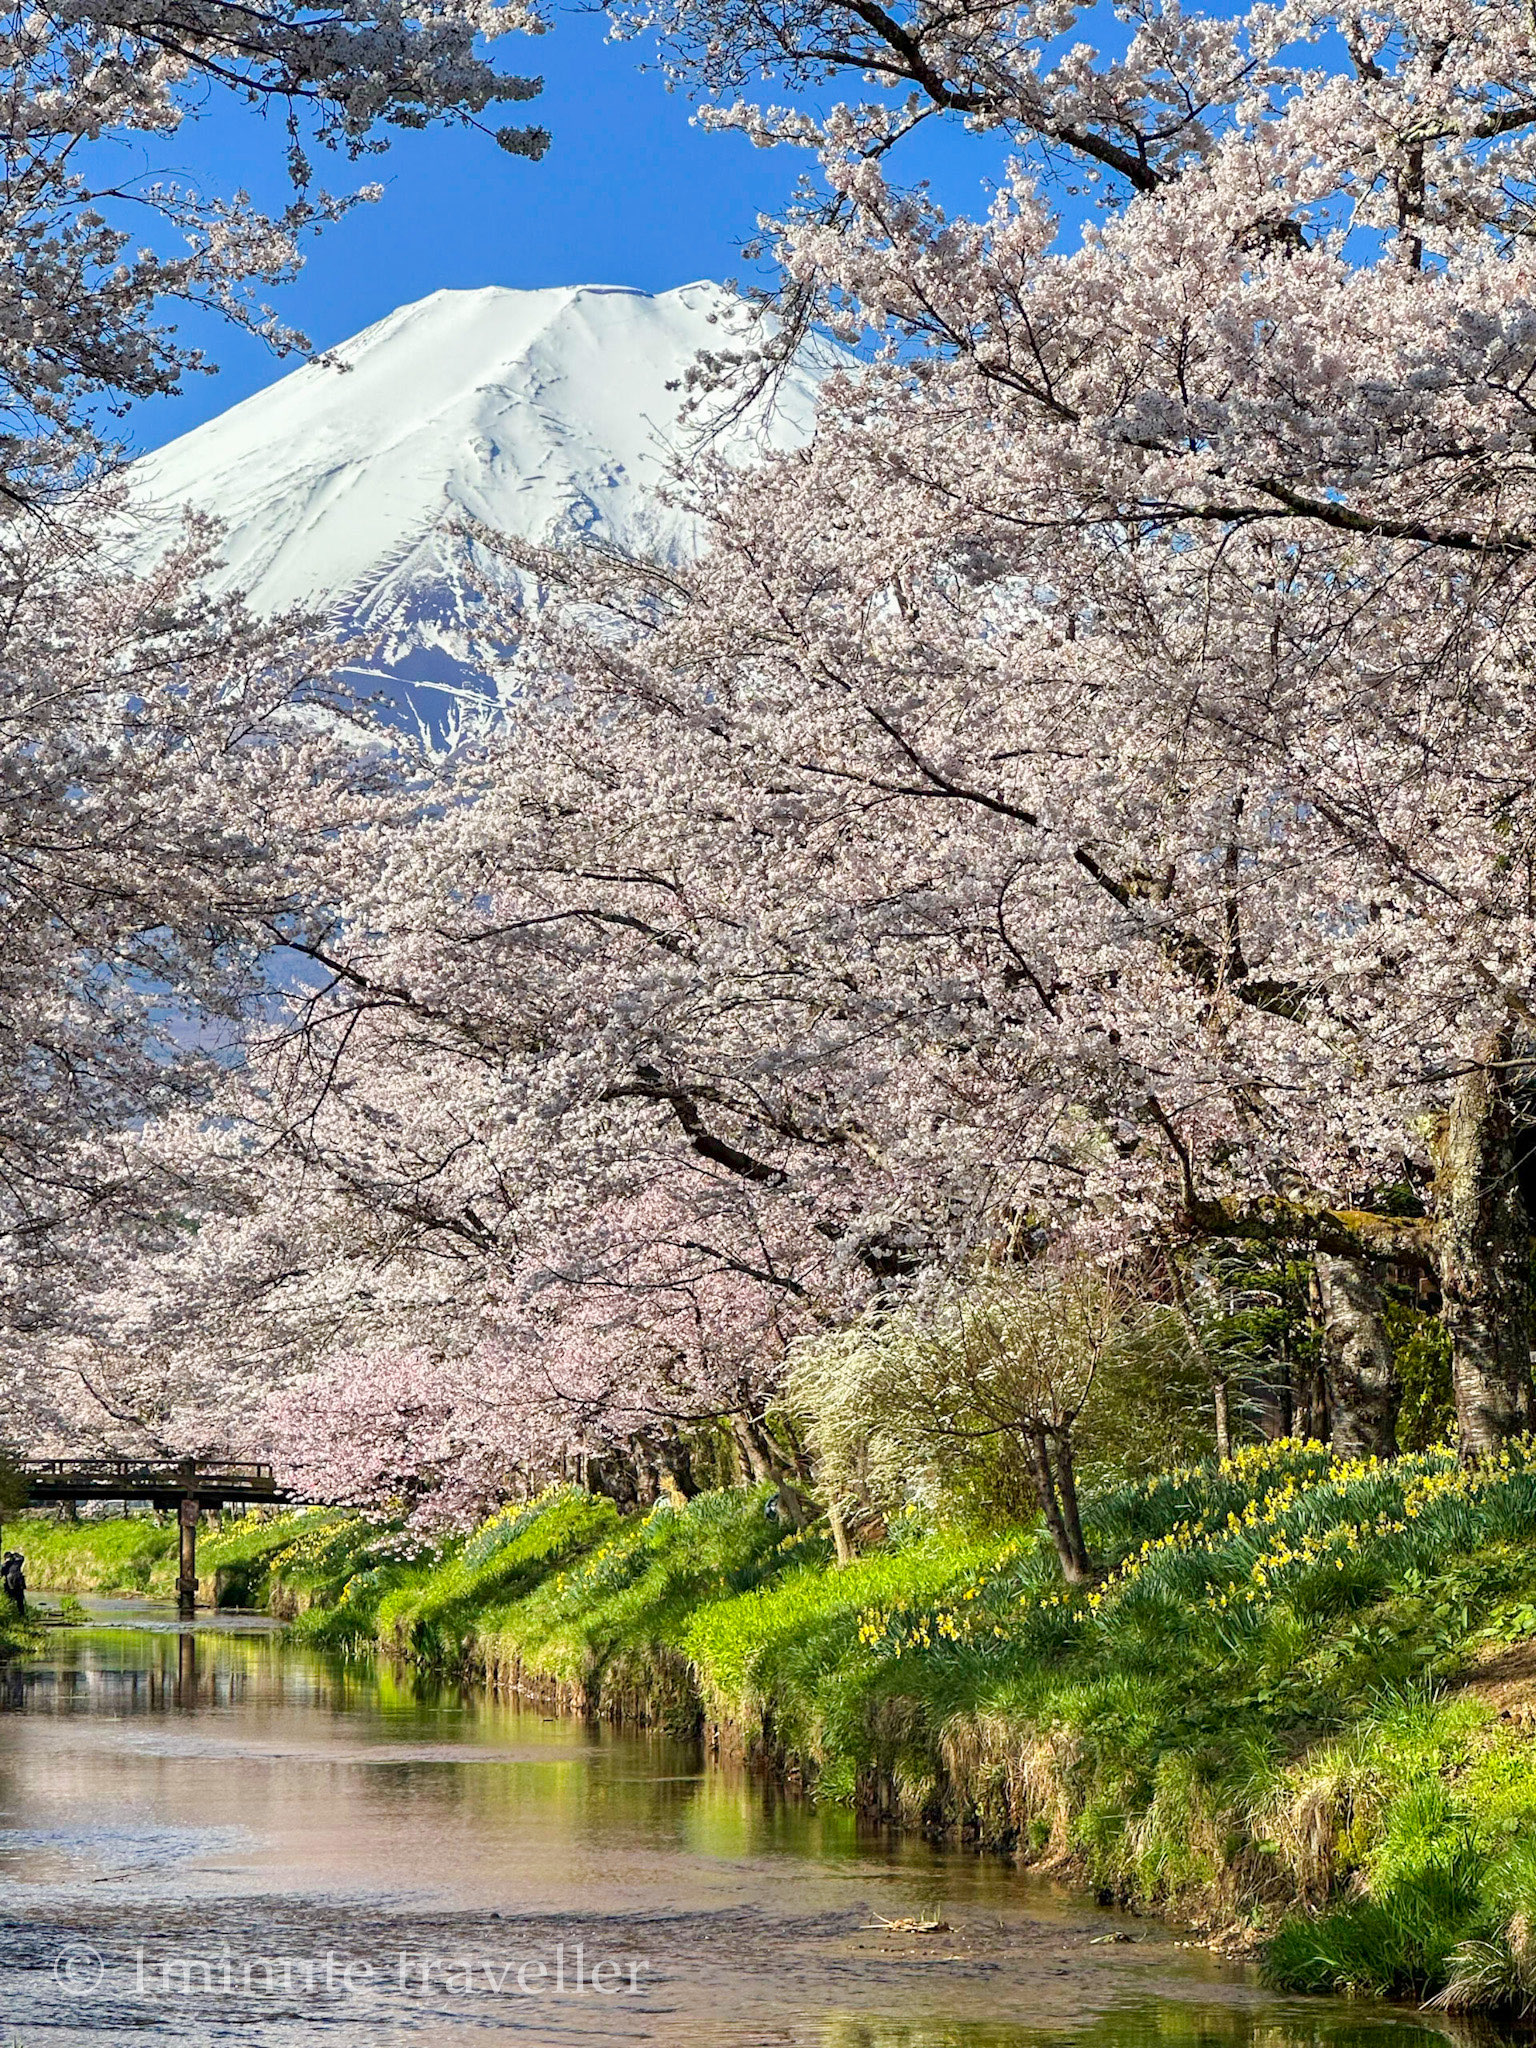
(630, 193)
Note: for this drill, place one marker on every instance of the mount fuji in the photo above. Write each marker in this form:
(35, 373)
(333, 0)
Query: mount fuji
(549, 415)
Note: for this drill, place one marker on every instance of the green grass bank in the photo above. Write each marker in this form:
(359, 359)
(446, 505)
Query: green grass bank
(16, 1635)
(1300, 1708)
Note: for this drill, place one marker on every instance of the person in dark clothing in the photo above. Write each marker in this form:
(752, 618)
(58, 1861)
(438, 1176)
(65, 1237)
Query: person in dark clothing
(13, 1579)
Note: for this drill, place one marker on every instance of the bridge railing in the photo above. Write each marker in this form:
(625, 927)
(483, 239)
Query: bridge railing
(166, 1472)
(231, 1466)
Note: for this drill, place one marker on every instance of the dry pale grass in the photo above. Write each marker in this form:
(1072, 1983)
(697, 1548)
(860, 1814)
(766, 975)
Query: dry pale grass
(1015, 1779)
(1493, 1975)
(1314, 1819)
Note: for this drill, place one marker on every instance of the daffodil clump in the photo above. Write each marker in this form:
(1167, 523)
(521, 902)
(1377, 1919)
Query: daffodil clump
(902, 1626)
(507, 1524)
(1304, 1513)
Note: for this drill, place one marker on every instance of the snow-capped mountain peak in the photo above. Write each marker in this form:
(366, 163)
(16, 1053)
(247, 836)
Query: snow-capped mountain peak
(544, 414)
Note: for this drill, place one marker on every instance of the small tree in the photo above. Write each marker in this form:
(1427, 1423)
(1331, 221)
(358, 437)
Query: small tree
(904, 1400)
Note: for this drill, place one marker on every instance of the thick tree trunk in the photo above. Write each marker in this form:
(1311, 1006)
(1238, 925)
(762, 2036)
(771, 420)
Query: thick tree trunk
(1211, 1366)
(1276, 1407)
(616, 1476)
(800, 1463)
(1364, 1392)
(1287, 1397)
(792, 1504)
(754, 1451)
(736, 1458)
(677, 1466)
(1485, 1254)
(769, 1465)
(647, 1470)
(1312, 1408)
(1285, 1403)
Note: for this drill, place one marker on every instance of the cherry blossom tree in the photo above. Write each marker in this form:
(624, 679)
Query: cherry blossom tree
(1257, 452)
(148, 737)
(470, 1095)
(1088, 790)
(606, 1328)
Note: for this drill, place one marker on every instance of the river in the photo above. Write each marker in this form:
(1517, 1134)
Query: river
(215, 1837)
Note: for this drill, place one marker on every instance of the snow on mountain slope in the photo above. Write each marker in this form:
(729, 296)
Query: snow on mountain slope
(545, 414)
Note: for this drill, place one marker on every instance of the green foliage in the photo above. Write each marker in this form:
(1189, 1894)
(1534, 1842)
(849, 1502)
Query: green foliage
(116, 1556)
(1421, 1351)
(13, 1484)
(433, 1617)
(633, 1594)
(936, 1402)
(798, 1650)
(1254, 1314)
(508, 1525)
(1211, 1725)
(1151, 1408)
(1442, 1883)
(309, 1561)
(292, 1559)
(346, 1618)
(18, 1633)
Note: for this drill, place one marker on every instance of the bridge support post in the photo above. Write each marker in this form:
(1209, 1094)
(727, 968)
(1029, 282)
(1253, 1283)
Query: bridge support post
(186, 1583)
(186, 1670)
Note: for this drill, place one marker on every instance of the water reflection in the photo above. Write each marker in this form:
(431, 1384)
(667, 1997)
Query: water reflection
(1172, 2024)
(246, 1840)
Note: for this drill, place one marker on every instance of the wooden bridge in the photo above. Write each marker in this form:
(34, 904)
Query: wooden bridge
(188, 1485)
